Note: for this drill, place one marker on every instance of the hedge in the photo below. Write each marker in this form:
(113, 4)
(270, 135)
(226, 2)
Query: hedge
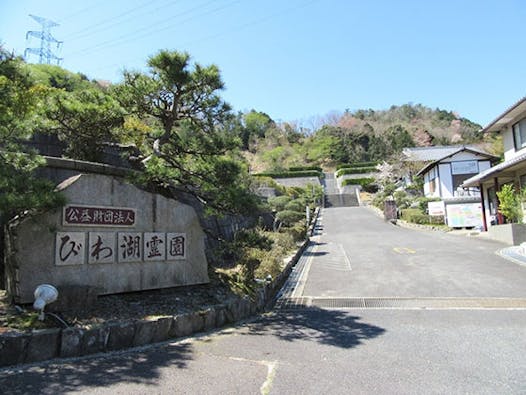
(358, 181)
(367, 184)
(356, 165)
(291, 174)
(355, 170)
(306, 168)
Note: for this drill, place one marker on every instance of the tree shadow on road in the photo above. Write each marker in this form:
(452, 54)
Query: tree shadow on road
(98, 371)
(331, 327)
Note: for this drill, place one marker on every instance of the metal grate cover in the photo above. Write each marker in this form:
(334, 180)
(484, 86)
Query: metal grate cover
(402, 303)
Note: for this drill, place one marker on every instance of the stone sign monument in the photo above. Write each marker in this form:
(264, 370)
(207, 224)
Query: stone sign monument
(111, 236)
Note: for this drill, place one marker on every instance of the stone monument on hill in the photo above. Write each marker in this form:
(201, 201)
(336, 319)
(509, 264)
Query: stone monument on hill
(111, 237)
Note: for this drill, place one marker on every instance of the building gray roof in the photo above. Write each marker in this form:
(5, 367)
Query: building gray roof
(434, 153)
(492, 158)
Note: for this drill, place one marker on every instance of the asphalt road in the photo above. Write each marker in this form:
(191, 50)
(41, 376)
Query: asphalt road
(453, 350)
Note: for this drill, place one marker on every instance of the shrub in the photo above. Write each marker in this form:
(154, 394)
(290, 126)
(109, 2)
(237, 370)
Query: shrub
(436, 219)
(291, 174)
(283, 241)
(289, 217)
(253, 238)
(415, 216)
(295, 205)
(510, 203)
(356, 165)
(278, 203)
(370, 188)
(402, 199)
(305, 168)
(270, 264)
(358, 181)
(298, 231)
(367, 184)
(355, 170)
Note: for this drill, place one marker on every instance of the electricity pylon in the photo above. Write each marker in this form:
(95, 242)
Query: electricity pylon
(45, 55)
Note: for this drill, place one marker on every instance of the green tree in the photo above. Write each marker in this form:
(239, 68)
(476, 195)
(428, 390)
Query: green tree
(398, 138)
(57, 77)
(510, 203)
(187, 146)
(255, 125)
(85, 120)
(20, 190)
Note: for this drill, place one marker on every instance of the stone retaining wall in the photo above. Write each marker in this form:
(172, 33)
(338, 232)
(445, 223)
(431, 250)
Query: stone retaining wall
(40, 345)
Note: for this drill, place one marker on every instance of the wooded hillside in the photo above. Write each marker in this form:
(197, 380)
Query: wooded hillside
(354, 136)
(86, 115)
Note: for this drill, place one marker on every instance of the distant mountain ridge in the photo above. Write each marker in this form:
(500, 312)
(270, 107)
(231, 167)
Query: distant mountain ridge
(361, 135)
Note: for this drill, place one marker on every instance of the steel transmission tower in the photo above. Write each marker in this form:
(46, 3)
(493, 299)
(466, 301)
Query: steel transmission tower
(45, 55)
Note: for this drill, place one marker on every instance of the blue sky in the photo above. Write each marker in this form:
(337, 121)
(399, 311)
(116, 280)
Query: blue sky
(298, 59)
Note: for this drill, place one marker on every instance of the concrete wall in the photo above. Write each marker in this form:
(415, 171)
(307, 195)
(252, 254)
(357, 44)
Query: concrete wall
(511, 234)
(34, 242)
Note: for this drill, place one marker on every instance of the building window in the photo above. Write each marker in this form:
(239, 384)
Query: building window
(519, 134)
(459, 179)
(432, 185)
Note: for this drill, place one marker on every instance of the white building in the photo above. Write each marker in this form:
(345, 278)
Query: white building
(512, 126)
(446, 170)
(443, 177)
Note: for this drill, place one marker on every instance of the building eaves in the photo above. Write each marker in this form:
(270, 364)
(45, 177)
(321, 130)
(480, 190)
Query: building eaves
(507, 116)
(463, 149)
(476, 180)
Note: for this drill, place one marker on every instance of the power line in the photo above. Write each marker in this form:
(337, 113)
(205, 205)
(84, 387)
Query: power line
(243, 26)
(149, 30)
(45, 55)
(251, 23)
(88, 32)
(81, 11)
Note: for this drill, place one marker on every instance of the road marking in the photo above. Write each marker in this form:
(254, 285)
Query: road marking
(404, 250)
(345, 257)
(271, 374)
(302, 279)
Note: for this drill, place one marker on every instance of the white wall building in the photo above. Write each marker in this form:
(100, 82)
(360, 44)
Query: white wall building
(512, 126)
(443, 177)
(447, 168)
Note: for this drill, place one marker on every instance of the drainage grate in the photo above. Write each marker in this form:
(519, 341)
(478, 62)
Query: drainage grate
(293, 303)
(402, 303)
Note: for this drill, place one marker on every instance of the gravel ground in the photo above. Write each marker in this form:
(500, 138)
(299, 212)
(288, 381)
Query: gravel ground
(132, 306)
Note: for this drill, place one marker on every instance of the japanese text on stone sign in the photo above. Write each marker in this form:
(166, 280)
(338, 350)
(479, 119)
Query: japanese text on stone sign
(98, 216)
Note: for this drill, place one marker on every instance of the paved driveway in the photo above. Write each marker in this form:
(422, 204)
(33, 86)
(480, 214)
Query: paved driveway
(360, 255)
(333, 350)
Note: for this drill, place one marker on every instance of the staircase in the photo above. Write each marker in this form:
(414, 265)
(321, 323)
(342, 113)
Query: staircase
(333, 197)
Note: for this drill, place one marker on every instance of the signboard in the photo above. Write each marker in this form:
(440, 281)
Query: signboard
(79, 215)
(70, 248)
(176, 246)
(465, 215)
(436, 208)
(118, 247)
(465, 167)
(101, 247)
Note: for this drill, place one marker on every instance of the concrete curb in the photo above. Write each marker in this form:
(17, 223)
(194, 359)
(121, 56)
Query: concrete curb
(40, 345)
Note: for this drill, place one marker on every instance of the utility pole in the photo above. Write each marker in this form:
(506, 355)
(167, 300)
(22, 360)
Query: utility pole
(45, 55)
